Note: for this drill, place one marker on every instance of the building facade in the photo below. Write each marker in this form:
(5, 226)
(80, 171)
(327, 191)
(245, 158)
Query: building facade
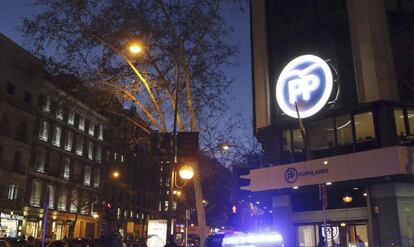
(333, 108)
(58, 148)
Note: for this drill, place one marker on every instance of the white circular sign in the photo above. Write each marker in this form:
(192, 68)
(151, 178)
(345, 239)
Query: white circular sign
(306, 81)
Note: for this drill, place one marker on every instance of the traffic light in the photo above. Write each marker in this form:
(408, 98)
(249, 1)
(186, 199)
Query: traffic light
(108, 211)
(241, 182)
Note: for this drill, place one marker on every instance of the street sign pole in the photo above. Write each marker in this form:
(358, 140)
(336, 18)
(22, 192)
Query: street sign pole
(323, 194)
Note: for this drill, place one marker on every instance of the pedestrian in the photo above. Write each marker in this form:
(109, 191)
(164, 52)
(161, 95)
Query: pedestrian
(359, 241)
(321, 242)
(30, 241)
(171, 242)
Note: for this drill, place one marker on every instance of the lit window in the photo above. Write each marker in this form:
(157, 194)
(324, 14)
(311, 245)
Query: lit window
(131, 214)
(118, 213)
(66, 169)
(100, 134)
(410, 116)
(321, 134)
(122, 158)
(56, 135)
(71, 117)
(364, 127)
(98, 154)
(84, 207)
(97, 178)
(90, 150)
(87, 176)
(287, 142)
(81, 125)
(399, 122)
(160, 206)
(91, 128)
(344, 129)
(62, 199)
(79, 145)
(12, 195)
(165, 205)
(69, 141)
(47, 103)
(174, 206)
(36, 194)
(44, 130)
(74, 201)
(59, 111)
(115, 156)
(40, 160)
(51, 196)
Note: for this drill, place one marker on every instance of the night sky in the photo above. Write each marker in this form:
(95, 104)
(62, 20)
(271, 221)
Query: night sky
(12, 12)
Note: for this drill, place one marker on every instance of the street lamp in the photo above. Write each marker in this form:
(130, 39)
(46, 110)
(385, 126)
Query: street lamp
(225, 147)
(186, 172)
(135, 48)
(115, 174)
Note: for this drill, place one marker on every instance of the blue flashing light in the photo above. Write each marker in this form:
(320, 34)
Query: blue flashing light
(252, 239)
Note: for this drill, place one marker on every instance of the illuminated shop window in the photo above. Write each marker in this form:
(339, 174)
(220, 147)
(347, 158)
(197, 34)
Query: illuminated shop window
(364, 127)
(287, 142)
(399, 122)
(297, 141)
(344, 129)
(321, 134)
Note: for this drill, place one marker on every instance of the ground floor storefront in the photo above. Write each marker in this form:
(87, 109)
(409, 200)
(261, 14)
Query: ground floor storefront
(10, 224)
(58, 224)
(368, 201)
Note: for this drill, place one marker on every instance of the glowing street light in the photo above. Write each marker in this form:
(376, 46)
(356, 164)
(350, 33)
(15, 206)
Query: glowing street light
(115, 174)
(347, 199)
(186, 172)
(226, 147)
(135, 48)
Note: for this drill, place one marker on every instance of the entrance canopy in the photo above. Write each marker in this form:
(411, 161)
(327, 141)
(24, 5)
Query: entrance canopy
(368, 164)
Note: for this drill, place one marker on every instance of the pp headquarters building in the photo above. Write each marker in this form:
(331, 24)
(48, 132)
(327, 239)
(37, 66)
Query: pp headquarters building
(333, 90)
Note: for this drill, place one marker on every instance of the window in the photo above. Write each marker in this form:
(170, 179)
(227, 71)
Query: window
(399, 122)
(54, 163)
(91, 128)
(84, 207)
(69, 140)
(321, 134)
(97, 178)
(71, 117)
(36, 194)
(66, 169)
(63, 197)
(287, 142)
(297, 141)
(12, 195)
(410, 116)
(115, 156)
(46, 104)
(98, 154)
(165, 206)
(174, 206)
(59, 111)
(159, 206)
(74, 201)
(21, 131)
(118, 213)
(364, 127)
(81, 124)
(27, 98)
(77, 170)
(100, 134)
(90, 150)
(87, 176)
(51, 188)
(57, 131)
(79, 145)
(344, 129)
(10, 88)
(17, 160)
(43, 130)
(40, 160)
(122, 158)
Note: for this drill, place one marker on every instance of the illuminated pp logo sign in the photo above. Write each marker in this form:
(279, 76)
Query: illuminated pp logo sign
(307, 81)
(291, 175)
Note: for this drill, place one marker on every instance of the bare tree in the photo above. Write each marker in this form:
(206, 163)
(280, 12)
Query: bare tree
(186, 45)
(80, 203)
